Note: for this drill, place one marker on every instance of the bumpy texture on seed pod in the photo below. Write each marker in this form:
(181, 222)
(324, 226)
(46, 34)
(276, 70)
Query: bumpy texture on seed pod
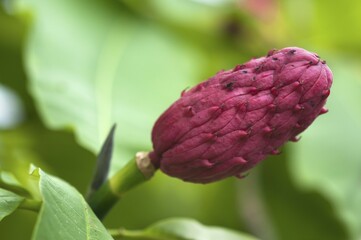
(224, 126)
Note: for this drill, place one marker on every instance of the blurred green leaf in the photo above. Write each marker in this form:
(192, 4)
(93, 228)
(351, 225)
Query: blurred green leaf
(100, 65)
(12, 74)
(182, 229)
(222, 29)
(9, 179)
(204, 17)
(9, 182)
(64, 213)
(317, 24)
(57, 152)
(290, 208)
(11, 32)
(18, 225)
(327, 159)
(9, 202)
(16, 156)
(212, 204)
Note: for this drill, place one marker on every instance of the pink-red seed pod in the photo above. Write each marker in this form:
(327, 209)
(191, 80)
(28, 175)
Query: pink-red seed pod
(227, 124)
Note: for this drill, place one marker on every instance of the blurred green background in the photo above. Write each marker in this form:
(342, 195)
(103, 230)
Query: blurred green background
(70, 69)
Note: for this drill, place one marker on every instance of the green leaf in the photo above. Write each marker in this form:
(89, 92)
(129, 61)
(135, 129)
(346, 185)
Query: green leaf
(102, 65)
(64, 213)
(327, 159)
(183, 229)
(9, 202)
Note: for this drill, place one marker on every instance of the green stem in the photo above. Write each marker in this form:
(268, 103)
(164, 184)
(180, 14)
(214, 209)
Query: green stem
(129, 234)
(31, 205)
(135, 172)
